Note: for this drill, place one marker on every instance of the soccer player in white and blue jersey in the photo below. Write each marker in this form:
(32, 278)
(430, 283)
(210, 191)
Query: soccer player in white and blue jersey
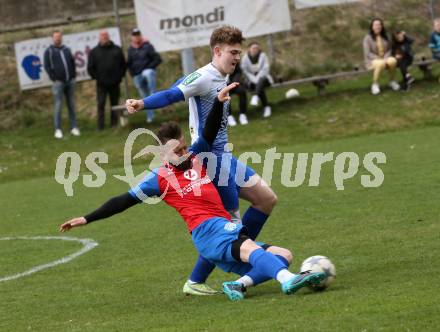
(200, 89)
(183, 184)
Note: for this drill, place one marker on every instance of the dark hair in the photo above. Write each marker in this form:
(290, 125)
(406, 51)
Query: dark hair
(383, 33)
(226, 35)
(169, 130)
(393, 37)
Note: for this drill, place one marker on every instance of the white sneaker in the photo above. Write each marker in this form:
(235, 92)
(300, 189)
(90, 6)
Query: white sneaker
(58, 134)
(375, 89)
(243, 119)
(75, 132)
(267, 112)
(255, 100)
(149, 120)
(394, 85)
(123, 121)
(231, 121)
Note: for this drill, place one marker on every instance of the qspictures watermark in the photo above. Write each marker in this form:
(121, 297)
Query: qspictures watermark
(346, 165)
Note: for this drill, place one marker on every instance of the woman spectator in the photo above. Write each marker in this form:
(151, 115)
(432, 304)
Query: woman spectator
(402, 51)
(377, 55)
(240, 91)
(255, 66)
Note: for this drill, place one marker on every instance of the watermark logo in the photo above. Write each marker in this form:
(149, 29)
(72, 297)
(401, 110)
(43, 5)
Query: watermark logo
(222, 166)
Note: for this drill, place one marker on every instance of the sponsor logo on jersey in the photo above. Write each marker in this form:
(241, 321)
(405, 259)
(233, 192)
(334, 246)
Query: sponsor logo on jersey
(191, 78)
(190, 174)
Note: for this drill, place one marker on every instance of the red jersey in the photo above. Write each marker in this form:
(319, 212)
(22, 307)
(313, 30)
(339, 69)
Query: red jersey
(190, 192)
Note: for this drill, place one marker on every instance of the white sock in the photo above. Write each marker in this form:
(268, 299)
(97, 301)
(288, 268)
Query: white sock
(284, 275)
(246, 281)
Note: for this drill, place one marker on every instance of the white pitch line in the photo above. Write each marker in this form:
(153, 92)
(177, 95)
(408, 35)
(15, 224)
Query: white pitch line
(88, 244)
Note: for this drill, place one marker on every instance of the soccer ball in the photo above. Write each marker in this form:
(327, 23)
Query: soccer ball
(320, 264)
(292, 93)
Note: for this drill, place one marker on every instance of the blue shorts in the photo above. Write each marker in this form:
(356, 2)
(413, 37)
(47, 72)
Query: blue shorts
(213, 240)
(230, 176)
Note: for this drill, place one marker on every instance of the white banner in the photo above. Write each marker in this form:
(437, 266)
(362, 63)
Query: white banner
(178, 24)
(29, 55)
(300, 4)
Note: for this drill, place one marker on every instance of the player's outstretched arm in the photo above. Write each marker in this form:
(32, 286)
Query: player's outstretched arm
(157, 100)
(75, 222)
(214, 119)
(134, 105)
(111, 207)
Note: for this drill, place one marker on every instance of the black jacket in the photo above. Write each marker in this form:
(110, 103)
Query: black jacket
(106, 64)
(403, 48)
(142, 58)
(59, 63)
(236, 76)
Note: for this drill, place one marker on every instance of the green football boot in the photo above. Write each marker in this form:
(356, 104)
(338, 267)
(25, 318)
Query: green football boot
(198, 289)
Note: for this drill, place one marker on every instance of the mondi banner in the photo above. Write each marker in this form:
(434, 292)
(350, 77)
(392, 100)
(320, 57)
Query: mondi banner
(178, 24)
(300, 4)
(29, 55)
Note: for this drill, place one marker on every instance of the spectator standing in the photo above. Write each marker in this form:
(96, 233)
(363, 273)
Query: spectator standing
(240, 90)
(60, 66)
(434, 41)
(256, 67)
(402, 51)
(142, 63)
(107, 66)
(377, 55)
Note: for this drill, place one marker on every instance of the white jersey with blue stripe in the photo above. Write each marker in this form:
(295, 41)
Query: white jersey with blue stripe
(200, 89)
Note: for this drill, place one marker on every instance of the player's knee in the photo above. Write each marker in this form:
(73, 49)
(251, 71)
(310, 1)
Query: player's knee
(286, 253)
(289, 256)
(271, 201)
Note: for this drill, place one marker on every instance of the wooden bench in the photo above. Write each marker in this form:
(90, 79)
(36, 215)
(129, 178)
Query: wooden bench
(321, 81)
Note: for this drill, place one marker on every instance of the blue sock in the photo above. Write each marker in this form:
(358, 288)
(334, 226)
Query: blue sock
(265, 263)
(259, 278)
(283, 260)
(202, 270)
(254, 220)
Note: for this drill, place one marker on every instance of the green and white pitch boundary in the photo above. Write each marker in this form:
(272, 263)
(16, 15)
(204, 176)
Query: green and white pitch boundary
(88, 244)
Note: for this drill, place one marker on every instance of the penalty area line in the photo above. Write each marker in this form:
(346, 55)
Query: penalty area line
(88, 244)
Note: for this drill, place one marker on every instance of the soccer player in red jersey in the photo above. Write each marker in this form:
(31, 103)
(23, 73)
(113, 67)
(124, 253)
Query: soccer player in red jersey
(183, 183)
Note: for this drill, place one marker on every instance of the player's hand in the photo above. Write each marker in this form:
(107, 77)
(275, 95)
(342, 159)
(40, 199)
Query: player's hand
(134, 105)
(223, 95)
(75, 222)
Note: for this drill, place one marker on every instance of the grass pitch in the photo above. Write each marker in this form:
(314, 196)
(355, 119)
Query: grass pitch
(384, 241)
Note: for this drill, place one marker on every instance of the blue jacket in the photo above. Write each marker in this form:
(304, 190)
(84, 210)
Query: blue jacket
(434, 42)
(141, 58)
(59, 63)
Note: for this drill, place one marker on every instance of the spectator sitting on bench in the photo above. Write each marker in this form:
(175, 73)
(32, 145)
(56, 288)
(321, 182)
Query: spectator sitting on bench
(255, 66)
(402, 51)
(377, 55)
(434, 41)
(240, 90)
